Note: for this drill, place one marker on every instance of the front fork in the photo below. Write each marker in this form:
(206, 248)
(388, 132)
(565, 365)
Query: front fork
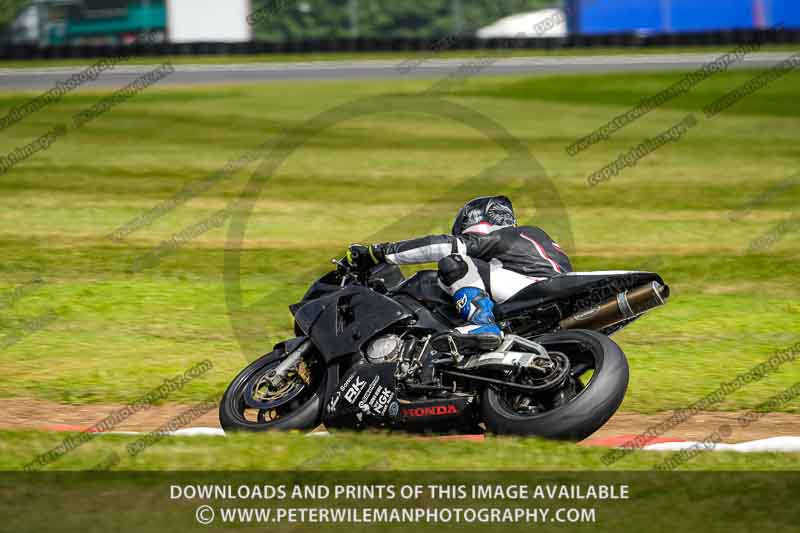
(278, 375)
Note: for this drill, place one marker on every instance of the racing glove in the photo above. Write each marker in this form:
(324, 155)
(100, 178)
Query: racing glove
(364, 257)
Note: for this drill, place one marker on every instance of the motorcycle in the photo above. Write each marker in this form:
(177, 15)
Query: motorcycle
(373, 350)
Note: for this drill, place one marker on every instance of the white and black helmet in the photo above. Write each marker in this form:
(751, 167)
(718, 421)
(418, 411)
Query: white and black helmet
(491, 210)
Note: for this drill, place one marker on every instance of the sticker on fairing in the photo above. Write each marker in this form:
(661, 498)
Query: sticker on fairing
(355, 389)
(364, 403)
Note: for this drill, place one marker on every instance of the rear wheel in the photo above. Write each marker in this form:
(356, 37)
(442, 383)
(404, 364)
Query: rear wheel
(590, 395)
(253, 403)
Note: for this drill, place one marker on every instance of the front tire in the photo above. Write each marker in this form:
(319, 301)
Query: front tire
(304, 415)
(583, 414)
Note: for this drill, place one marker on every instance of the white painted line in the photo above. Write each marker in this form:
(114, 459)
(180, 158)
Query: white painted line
(186, 432)
(773, 444)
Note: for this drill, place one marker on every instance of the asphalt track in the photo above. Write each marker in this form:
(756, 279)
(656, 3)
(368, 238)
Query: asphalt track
(17, 413)
(482, 64)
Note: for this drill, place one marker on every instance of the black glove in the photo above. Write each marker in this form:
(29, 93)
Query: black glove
(363, 257)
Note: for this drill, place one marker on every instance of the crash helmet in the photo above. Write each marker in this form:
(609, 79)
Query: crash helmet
(484, 214)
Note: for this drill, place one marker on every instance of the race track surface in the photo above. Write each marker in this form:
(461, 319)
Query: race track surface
(42, 415)
(482, 64)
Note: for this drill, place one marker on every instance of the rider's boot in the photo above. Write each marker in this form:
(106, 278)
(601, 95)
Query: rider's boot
(481, 332)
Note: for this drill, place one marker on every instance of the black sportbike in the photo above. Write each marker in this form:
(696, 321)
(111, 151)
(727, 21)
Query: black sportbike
(373, 350)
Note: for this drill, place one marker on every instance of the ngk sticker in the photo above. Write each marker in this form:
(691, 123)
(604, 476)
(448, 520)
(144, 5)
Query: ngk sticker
(376, 400)
(382, 402)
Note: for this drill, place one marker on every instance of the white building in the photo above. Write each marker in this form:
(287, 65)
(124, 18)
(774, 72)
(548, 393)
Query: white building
(542, 23)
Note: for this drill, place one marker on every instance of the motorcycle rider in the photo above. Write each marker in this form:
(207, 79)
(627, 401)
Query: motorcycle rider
(486, 259)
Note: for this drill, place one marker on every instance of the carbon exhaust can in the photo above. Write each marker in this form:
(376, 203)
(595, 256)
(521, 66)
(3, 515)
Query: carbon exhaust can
(623, 306)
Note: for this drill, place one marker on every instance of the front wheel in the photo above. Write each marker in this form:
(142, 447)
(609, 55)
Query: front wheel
(252, 403)
(586, 407)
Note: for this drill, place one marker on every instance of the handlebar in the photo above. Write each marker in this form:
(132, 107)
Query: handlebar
(345, 271)
(340, 263)
(351, 273)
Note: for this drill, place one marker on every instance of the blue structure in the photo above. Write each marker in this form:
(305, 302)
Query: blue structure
(595, 17)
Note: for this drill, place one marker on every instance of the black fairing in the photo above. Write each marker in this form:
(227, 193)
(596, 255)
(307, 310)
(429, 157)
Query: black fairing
(341, 322)
(367, 397)
(387, 275)
(325, 285)
(433, 307)
(577, 286)
(424, 287)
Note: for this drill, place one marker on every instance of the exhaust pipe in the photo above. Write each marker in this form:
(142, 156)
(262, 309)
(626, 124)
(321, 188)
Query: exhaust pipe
(623, 306)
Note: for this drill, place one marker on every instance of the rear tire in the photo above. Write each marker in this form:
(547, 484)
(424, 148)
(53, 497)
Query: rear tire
(306, 417)
(582, 415)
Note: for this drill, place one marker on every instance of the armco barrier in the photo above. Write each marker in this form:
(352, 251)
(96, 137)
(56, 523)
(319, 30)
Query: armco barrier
(625, 40)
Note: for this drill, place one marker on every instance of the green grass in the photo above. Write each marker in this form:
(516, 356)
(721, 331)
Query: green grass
(391, 175)
(349, 451)
(410, 55)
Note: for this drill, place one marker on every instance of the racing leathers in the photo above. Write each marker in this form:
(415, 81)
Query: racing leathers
(485, 259)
